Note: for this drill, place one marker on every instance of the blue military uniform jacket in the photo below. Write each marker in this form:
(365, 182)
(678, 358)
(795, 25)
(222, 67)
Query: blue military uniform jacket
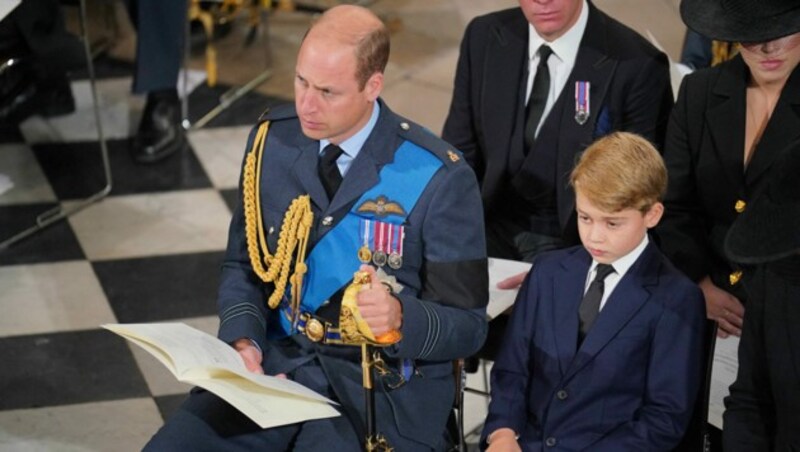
(443, 277)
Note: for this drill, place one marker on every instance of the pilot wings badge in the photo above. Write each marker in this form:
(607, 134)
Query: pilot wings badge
(381, 207)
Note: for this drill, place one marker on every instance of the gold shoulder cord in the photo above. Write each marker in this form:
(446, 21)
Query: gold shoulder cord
(293, 236)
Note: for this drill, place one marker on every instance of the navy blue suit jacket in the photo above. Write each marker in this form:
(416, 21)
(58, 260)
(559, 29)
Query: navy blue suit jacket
(444, 275)
(632, 383)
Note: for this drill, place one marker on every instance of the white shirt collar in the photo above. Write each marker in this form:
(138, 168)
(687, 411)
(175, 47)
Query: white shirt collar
(352, 146)
(624, 263)
(565, 47)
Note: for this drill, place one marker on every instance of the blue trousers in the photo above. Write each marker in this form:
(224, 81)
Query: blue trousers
(161, 31)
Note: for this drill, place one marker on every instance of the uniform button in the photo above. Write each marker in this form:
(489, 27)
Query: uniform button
(734, 277)
(327, 221)
(740, 206)
(550, 442)
(562, 395)
(404, 126)
(271, 229)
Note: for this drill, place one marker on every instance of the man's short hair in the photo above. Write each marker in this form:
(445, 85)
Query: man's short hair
(621, 171)
(372, 54)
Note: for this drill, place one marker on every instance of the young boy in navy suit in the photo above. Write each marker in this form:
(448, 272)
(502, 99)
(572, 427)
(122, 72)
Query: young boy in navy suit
(603, 351)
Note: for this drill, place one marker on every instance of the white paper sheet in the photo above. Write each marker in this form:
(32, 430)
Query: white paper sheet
(203, 360)
(723, 374)
(500, 299)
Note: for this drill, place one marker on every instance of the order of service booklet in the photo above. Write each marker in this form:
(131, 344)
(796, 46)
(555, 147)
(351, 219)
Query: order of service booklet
(198, 358)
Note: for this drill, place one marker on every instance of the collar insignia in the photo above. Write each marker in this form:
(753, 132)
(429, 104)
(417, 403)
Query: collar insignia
(381, 207)
(453, 156)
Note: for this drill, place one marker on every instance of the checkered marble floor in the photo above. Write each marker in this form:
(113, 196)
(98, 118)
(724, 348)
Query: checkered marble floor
(151, 251)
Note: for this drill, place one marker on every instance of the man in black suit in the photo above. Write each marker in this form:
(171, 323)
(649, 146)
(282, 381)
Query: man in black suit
(597, 76)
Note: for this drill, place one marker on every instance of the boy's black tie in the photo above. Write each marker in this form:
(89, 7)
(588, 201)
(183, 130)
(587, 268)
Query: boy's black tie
(328, 170)
(538, 98)
(590, 305)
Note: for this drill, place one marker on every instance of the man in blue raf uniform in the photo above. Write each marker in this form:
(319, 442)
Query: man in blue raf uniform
(387, 197)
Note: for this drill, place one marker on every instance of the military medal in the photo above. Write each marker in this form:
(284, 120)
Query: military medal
(582, 110)
(395, 259)
(379, 257)
(365, 253)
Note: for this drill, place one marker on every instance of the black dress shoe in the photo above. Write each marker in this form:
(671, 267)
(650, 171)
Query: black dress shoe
(160, 133)
(22, 95)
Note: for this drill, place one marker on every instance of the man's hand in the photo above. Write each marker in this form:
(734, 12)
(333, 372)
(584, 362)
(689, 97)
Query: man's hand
(503, 440)
(512, 282)
(723, 307)
(250, 354)
(379, 308)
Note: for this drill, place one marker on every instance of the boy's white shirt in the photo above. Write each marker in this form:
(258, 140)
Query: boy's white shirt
(621, 266)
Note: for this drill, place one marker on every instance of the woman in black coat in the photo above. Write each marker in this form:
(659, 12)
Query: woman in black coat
(729, 124)
(763, 409)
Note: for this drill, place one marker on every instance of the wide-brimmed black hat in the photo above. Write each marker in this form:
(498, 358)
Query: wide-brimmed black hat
(769, 228)
(742, 20)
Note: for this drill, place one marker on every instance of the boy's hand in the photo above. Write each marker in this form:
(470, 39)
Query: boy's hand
(724, 308)
(512, 282)
(503, 440)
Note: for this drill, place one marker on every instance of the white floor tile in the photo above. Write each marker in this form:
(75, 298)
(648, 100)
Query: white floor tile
(41, 298)
(21, 178)
(116, 104)
(120, 111)
(124, 425)
(153, 224)
(221, 151)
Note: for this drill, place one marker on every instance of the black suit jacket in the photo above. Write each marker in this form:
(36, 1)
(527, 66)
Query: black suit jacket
(704, 153)
(763, 409)
(630, 90)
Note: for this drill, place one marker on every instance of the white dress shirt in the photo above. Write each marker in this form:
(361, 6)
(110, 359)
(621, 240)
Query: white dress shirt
(561, 62)
(621, 266)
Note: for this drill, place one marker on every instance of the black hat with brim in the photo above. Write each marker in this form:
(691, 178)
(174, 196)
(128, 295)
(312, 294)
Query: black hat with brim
(742, 20)
(769, 228)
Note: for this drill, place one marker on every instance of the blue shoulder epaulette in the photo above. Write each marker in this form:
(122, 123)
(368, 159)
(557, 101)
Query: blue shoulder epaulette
(278, 112)
(426, 139)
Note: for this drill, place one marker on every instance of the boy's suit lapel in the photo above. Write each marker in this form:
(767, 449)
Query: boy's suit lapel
(628, 298)
(568, 288)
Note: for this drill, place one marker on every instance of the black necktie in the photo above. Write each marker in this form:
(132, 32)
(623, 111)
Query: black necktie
(590, 305)
(328, 170)
(538, 98)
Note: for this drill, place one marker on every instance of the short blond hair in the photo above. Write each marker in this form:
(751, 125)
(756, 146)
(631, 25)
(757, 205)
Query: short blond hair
(621, 171)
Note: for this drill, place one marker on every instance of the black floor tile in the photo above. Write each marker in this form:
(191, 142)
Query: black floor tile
(9, 133)
(54, 243)
(244, 111)
(106, 66)
(231, 197)
(75, 170)
(168, 405)
(161, 288)
(67, 368)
